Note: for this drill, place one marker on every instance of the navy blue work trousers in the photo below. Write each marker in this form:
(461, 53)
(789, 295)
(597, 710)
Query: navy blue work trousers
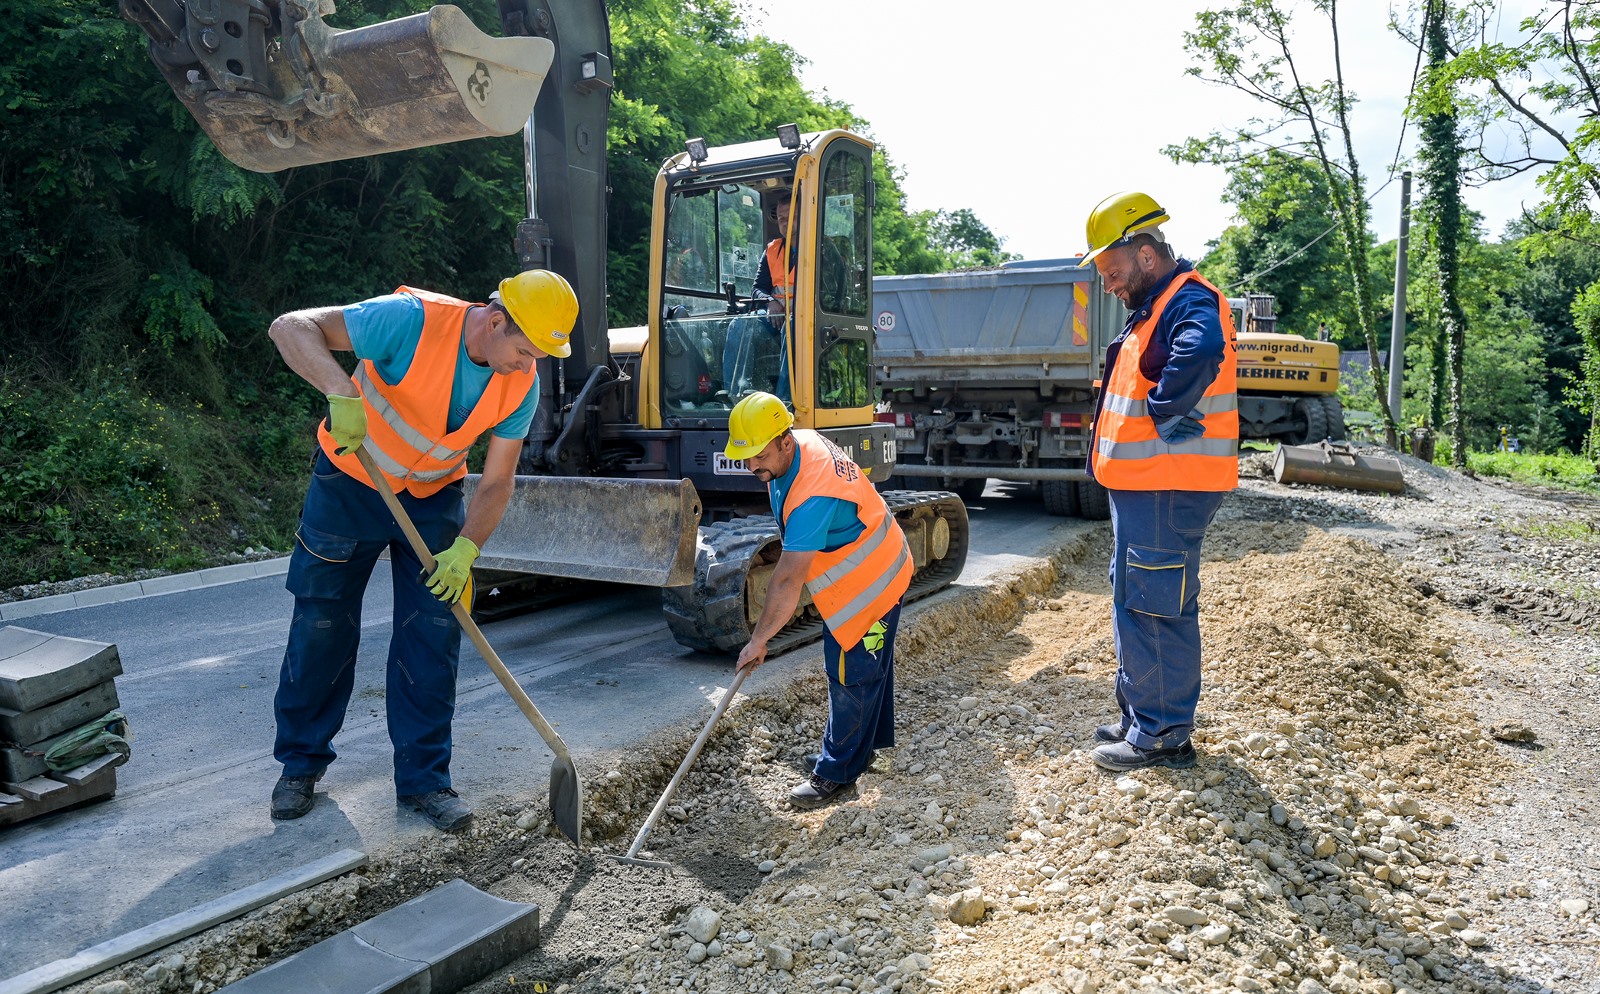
(1155, 609)
(860, 700)
(344, 526)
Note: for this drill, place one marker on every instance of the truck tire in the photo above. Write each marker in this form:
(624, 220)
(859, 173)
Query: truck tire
(1093, 501)
(1061, 497)
(1333, 412)
(1310, 422)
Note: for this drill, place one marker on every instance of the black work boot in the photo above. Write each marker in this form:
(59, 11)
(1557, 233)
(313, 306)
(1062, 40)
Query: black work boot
(293, 797)
(816, 792)
(445, 808)
(1124, 756)
(1116, 731)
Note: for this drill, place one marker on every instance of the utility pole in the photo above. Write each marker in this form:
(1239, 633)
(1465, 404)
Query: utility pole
(1397, 322)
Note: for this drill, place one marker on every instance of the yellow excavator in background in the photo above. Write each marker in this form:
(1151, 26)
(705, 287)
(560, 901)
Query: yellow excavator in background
(622, 476)
(1288, 385)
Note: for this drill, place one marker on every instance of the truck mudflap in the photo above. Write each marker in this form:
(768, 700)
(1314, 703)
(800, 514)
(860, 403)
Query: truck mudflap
(275, 87)
(736, 558)
(620, 531)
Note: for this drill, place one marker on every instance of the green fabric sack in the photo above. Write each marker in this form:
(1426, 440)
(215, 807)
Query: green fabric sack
(88, 741)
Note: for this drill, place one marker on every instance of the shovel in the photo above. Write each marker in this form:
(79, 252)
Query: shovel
(566, 790)
(688, 761)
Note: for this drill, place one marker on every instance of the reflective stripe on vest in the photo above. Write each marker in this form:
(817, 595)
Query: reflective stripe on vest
(855, 585)
(1128, 452)
(407, 421)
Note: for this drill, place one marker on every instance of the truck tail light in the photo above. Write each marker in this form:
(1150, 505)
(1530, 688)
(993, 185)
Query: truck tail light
(898, 420)
(1062, 419)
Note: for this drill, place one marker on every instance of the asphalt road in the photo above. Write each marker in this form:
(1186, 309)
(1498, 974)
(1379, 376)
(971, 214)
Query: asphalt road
(189, 822)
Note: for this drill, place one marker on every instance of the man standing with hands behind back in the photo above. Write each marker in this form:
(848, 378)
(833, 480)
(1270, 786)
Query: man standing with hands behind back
(841, 542)
(1165, 445)
(433, 374)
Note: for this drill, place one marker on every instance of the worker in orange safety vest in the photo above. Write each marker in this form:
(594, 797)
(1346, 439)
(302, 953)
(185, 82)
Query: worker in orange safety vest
(1165, 446)
(433, 373)
(840, 542)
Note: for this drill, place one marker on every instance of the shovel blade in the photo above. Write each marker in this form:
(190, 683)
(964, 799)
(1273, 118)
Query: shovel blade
(427, 79)
(566, 799)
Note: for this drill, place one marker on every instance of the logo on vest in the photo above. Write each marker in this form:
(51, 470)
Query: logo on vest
(843, 467)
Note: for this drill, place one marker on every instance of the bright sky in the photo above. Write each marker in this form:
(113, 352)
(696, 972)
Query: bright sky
(1029, 112)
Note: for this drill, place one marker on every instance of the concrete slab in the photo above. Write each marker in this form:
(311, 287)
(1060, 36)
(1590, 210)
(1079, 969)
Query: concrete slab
(341, 965)
(462, 932)
(64, 715)
(170, 584)
(434, 944)
(17, 764)
(37, 668)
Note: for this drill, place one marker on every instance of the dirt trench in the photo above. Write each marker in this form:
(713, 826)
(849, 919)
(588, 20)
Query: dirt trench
(1353, 826)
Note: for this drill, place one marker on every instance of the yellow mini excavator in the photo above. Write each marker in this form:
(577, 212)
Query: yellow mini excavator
(622, 476)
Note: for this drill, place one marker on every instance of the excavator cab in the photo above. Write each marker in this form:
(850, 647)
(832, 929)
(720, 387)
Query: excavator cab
(797, 202)
(273, 86)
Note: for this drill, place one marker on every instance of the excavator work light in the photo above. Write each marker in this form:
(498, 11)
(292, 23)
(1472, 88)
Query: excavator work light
(697, 150)
(789, 135)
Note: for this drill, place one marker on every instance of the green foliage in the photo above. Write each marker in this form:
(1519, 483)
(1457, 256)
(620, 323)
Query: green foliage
(147, 419)
(103, 477)
(1283, 245)
(1254, 47)
(1559, 470)
(1586, 316)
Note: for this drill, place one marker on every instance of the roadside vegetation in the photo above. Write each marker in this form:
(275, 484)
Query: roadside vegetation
(1562, 469)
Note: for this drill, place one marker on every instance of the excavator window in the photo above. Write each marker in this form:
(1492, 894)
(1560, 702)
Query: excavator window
(718, 345)
(844, 262)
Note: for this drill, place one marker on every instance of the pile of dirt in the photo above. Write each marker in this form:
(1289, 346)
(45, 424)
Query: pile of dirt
(1353, 825)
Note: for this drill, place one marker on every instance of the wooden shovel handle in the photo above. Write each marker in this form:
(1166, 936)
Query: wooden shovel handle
(464, 616)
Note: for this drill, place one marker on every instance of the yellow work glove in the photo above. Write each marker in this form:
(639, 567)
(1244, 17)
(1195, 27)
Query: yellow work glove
(453, 570)
(347, 422)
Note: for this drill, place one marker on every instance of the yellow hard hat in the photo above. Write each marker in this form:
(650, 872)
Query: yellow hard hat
(754, 422)
(1119, 216)
(543, 305)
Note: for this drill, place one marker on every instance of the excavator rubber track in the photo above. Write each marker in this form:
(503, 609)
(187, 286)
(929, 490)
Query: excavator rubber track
(717, 611)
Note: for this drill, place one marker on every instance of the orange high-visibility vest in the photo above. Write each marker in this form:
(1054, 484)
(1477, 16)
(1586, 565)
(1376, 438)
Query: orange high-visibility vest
(855, 585)
(778, 268)
(1128, 453)
(406, 421)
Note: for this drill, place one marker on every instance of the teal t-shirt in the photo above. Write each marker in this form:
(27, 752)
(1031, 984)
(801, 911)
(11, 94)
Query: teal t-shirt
(819, 524)
(386, 331)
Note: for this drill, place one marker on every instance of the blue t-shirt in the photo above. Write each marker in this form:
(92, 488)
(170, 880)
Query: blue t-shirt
(819, 524)
(386, 330)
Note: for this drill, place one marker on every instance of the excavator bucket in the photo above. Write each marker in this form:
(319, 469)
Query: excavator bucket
(622, 531)
(274, 87)
(1337, 464)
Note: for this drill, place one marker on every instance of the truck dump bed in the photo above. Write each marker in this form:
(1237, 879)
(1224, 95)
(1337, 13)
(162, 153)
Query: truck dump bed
(1016, 323)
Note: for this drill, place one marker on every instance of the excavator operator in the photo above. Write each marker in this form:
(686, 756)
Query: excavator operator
(433, 373)
(841, 541)
(1165, 445)
(775, 286)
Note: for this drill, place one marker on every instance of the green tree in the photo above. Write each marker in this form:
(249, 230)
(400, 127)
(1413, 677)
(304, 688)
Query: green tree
(1284, 244)
(1247, 47)
(1441, 178)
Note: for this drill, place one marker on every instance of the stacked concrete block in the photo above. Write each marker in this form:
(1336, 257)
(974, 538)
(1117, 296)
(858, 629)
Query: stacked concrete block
(50, 686)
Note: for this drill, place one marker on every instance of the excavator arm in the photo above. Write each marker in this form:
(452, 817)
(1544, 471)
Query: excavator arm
(273, 86)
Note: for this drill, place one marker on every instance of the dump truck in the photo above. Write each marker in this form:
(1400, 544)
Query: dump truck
(622, 476)
(991, 374)
(1288, 385)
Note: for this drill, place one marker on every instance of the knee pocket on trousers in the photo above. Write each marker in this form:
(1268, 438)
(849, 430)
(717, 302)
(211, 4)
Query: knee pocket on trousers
(1156, 581)
(318, 566)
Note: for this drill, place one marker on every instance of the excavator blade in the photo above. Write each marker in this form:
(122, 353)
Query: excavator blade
(317, 94)
(622, 531)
